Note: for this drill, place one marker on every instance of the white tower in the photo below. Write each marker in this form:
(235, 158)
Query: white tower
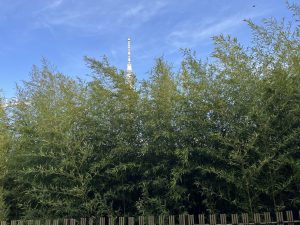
(129, 74)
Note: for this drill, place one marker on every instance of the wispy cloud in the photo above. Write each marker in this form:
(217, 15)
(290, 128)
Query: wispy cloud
(193, 33)
(55, 4)
(94, 18)
(143, 12)
(56, 15)
(134, 11)
(50, 5)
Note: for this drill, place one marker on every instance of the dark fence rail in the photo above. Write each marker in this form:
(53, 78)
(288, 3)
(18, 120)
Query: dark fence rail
(266, 218)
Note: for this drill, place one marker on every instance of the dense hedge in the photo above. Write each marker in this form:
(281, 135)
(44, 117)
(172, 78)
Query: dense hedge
(220, 136)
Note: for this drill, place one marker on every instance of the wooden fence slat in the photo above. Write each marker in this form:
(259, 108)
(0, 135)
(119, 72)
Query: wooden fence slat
(150, 220)
(141, 220)
(290, 217)
(279, 218)
(82, 221)
(130, 220)
(102, 221)
(234, 219)
(201, 218)
(245, 218)
(257, 219)
(267, 218)
(91, 221)
(121, 220)
(48, 222)
(13, 222)
(191, 220)
(66, 222)
(55, 222)
(171, 220)
(111, 221)
(223, 219)
(181, 219)
(212, 219)
(3, 223)
(161, 220)
(37, 222)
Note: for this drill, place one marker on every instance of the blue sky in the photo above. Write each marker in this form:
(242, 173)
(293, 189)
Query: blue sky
(64, 31)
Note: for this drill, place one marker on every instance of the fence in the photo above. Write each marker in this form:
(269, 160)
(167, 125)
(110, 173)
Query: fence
(266, 218)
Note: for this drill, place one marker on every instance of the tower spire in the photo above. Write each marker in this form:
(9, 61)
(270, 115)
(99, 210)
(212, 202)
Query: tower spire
(129, 74)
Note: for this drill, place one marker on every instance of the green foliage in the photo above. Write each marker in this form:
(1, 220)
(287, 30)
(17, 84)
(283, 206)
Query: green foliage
(220, 136)
(4, 148)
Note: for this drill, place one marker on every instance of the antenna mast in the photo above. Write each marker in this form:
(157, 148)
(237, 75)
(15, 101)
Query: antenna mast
(129, 75)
